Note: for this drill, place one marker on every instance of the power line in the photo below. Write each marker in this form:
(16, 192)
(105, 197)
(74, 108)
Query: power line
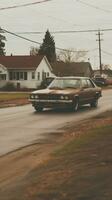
(28, 4)
(93, 49)
(65, 32)
(14, 34)
(105, 52)
(24, 5)
(58, 48)
(93, 6)
(33, 41)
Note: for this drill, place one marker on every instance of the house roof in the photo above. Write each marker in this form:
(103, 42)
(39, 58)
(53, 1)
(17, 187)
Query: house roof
(21, 62)
(71, 69)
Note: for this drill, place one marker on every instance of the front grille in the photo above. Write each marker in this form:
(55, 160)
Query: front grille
(49, 97)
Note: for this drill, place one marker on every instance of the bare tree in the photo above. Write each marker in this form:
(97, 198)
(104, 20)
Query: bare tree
(106, 67)
(72, 55)
(33, 51)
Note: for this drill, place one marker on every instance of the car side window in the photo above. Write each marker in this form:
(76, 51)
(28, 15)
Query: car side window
(90, 85)
(84, 83)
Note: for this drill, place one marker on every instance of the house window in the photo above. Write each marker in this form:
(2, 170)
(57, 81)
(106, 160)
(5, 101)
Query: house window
(47, 74)
(33, 75)
(10, 75)
(38, 76)
(43, 75)
(25, 75)
(14, 75)
(2, 76)
(18, 76)
(21, 75)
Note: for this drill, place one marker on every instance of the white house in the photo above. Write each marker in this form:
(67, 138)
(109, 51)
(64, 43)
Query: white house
(24, 71)
(29, 71)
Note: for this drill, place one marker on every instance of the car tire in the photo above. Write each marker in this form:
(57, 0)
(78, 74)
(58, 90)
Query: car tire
(94, 104)
(38, 108)
(75, 106)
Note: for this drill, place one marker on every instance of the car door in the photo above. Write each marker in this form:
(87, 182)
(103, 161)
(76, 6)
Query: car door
(91, 90)
(85, 92)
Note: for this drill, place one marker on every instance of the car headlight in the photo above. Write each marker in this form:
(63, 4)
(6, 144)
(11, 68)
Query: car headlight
(66, 97)
(36, 96)
(32, 96)
(62, 97)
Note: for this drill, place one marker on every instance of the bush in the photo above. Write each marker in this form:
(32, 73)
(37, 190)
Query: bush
(8, 87)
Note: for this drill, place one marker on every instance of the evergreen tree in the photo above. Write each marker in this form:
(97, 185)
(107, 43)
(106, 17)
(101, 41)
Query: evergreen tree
(48, 47)
(2, 44)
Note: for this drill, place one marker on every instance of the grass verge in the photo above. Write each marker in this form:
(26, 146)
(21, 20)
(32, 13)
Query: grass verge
(13, 99)
(11, 96)
(80, 170)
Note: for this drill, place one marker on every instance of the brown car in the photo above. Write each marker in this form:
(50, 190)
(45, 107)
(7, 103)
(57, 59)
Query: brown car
(66, 92)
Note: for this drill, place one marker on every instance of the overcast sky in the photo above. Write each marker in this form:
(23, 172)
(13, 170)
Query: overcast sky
(59, 15)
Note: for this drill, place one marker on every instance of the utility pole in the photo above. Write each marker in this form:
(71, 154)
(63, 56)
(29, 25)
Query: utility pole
(100, 58)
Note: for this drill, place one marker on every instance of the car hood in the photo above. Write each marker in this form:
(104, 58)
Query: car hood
(56, 91)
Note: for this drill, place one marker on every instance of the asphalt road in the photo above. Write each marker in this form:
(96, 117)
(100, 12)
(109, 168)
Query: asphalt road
(22, 126)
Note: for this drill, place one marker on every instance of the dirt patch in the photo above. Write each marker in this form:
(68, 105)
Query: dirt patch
(13, 102)
(74, 166)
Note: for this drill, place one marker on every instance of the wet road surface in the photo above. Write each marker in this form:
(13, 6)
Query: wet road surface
(22, 126)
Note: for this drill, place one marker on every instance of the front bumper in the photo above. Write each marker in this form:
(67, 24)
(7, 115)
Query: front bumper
(51, 103)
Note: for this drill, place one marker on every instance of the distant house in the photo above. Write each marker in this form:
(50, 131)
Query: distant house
(72, 69)
(105, 73)
(24, 71)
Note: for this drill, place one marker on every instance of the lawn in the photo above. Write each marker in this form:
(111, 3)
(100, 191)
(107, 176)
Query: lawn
(8, 96)
(80, 169)
(13, 98)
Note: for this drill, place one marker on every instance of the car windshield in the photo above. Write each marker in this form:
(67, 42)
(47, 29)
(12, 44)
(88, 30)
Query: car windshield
(64, 83)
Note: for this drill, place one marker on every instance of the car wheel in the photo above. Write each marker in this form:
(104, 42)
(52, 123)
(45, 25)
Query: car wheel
(75, 105)
(94, 104)
(37, 108)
